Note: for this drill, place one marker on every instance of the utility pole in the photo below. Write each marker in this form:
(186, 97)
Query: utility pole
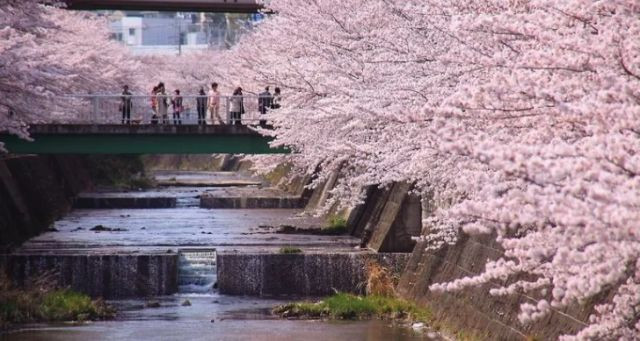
(179, 25)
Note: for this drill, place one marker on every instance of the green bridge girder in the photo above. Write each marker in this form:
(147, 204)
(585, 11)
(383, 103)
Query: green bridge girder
(142, 139)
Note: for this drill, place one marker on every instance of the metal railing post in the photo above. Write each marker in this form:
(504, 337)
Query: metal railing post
(228, 113)
(94, 112)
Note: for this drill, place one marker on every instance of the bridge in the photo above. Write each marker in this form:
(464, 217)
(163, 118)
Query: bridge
(140, 139)
(226, 6)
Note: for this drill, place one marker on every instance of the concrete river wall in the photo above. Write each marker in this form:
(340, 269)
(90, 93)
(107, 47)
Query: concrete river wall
(106, 276)
(269, 274)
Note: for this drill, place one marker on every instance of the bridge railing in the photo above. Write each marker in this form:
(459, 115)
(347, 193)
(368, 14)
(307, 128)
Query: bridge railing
(108, 109)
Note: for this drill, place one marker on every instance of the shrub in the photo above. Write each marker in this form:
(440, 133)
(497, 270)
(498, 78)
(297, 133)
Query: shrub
(379, 281)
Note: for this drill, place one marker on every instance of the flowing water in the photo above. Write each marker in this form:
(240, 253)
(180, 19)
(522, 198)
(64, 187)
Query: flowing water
(234, 318)
(196, 234)
(197, 271)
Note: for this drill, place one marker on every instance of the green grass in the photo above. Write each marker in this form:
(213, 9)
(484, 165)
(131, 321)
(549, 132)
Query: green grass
(23, 306)
(336, 225)
(343, 306)
(64, 305)
(289, 250)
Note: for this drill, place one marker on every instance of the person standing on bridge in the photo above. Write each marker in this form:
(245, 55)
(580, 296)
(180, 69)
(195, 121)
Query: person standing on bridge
(176, 103)
(214, 104)
(154, 105)
(201, 103)
(163, 104)
(236, 107)
(277, 98)
(126, 105)
(265, 100)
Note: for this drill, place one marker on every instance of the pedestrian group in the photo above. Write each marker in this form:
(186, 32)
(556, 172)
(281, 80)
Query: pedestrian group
(205, 102)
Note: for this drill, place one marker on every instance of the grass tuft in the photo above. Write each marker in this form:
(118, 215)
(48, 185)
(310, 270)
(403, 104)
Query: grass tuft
(289, 250)
(343, 306)
(65, 305)
(336, 225)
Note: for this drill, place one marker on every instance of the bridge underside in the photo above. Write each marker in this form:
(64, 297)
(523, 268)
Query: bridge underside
(116, 139)
(227, 6)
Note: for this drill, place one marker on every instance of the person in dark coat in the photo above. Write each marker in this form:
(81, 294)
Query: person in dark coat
(126, 105)
(201, 103)
(265, 100)
(236, 107)
(176, 104)
(277, 98)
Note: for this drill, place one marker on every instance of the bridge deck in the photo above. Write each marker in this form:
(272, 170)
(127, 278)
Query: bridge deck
(140, 139)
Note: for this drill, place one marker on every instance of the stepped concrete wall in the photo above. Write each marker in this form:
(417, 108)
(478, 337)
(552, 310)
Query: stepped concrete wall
(106, 276)
(313, 274)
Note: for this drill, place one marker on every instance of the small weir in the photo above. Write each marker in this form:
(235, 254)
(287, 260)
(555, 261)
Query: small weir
(187, 201)
(197, 271)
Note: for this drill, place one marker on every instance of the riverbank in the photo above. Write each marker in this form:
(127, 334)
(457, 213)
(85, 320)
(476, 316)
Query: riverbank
(42, 301)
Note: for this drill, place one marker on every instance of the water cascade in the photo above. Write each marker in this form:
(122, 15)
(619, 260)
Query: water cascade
(197, 271)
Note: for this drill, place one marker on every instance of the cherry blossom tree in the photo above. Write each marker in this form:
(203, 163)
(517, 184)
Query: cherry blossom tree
(47, 53)
(525, 112)
(557, 125)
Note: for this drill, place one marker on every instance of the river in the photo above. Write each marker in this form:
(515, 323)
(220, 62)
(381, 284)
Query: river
(210, 316)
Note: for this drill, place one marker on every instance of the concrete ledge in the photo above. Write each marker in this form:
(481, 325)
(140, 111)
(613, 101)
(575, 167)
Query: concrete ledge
(106, 276)
(124, 202)
(314, 274)
(250, 202)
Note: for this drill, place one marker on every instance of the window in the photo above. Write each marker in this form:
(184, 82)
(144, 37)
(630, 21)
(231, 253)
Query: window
(132, 31)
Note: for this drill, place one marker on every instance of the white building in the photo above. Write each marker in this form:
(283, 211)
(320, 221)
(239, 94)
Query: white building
(147, 33)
